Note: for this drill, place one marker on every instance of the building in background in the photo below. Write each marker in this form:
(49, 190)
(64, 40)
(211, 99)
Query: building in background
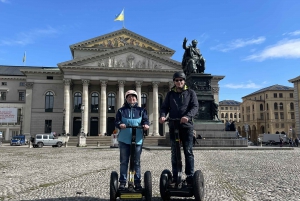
(296, 82)
(229, 110)
(102, 69)
(269, 110)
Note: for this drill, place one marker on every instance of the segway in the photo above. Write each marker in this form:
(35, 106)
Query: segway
(130, 192)
(180, 188)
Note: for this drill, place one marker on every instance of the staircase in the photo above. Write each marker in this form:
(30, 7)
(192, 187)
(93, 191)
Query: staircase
(106, 140)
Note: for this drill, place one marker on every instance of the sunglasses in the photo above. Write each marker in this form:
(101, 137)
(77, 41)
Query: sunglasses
(178, 80)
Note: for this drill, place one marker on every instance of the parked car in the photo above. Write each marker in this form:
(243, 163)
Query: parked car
(18, 140)
(41, 140)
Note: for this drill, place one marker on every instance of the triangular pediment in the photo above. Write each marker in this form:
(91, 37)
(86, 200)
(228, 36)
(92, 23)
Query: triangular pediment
(121, 38)
(126, 57)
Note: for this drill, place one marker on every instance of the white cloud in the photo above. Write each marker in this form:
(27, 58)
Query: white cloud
(283, 49)
(294, 33)
(238, 43)
(4, 1)
(249, 85)
(25, 38)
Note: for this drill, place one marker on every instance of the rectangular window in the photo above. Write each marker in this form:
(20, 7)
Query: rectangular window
(48, 126)
(276, 115)
(3, 95)
(21, 96)
(226, 108)
(230, 108)
(49, 77)
(281, 115)
(277, 125)
(292, 115)
(22, 84)
(266, 96)
(291, 95)
(222, 108)
(275, 95)
(4, 83)
(282, 125)
(280, 95)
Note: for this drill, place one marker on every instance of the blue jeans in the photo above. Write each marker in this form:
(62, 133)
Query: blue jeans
(124, 160)
(186, 138)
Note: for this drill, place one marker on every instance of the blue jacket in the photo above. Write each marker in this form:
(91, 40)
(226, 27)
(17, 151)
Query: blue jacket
(131, 116)
(179, 104)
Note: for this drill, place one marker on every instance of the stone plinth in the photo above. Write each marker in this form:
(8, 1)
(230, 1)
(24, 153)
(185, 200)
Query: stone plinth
(81, 141)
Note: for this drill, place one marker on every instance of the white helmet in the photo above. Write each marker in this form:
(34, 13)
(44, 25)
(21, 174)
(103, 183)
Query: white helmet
(131, 92)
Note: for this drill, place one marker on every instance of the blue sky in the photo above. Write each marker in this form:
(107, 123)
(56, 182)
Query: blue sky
(254, 43)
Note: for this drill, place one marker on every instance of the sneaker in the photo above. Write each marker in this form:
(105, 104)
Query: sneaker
(138, 187)
(122, 186)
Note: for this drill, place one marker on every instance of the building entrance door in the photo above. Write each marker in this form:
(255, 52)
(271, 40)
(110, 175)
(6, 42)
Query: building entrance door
(110, 125)
(76, 125)
(94, 126)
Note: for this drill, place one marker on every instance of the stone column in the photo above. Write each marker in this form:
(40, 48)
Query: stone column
(138, 85)
(121, 94)
(155, 109)
(85, 101)
(103, 107)
(28, 107)
(67, 96)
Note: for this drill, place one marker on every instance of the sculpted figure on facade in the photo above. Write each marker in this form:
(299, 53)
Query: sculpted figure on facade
(192, 61)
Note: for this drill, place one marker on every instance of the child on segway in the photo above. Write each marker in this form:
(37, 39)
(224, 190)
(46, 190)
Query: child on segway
(130, 114)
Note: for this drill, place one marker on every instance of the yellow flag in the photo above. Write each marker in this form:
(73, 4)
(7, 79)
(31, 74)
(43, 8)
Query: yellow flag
(120, 17)
(24, 57)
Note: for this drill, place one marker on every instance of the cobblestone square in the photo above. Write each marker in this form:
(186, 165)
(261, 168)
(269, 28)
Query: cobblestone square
(71, 173)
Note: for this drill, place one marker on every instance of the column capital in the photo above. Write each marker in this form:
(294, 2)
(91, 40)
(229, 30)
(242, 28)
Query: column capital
(103, 83)
(29, 85)
(138, 83)
(155, 84)
(85, 82)
(67, 81)
(121, 82)
(215, 89)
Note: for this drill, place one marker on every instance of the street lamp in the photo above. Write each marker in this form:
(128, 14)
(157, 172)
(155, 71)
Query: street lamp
(63, 128)
(21, 120)
(82, 113)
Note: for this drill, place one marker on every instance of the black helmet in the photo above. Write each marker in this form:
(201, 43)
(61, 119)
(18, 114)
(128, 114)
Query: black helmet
(179, 74)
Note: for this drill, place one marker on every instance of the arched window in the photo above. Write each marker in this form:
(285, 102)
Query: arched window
(111, 102)
(144, 100)
(94, 102)
(77, 102)
(291, 106)
(261, 107)
(275, 106)
(222, 115)
(235, 115)
(281, 106)
(49, 100)
(231, 116)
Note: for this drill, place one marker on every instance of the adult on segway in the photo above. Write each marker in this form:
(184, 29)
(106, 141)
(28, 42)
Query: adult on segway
(130, 118)
(181, 104)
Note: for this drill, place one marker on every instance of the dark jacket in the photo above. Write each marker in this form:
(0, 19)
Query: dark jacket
(131, 116)
(180, 104)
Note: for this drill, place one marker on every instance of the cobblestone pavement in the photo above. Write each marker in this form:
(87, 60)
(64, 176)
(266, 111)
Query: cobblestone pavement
(53, 174)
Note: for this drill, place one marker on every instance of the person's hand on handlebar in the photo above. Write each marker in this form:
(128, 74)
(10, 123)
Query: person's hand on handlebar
(162, 120)
(122, 126)
(146, 127)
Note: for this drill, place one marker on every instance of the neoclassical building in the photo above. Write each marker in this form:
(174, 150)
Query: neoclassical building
(50, 99)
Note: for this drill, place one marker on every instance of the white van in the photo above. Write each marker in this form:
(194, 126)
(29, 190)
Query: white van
(41, 140)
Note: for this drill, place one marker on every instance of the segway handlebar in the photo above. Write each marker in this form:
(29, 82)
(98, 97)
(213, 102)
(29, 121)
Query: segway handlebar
(134, 127)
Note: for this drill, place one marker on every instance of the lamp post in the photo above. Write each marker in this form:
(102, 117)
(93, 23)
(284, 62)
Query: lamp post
(82, 114)
(63, 127)
(21, 122)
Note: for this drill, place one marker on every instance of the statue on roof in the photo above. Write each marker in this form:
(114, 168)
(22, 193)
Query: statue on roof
(192, 61)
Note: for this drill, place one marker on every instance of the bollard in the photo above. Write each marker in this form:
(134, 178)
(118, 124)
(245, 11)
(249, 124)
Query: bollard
(66, 144)
(98, 144)
(29, 144)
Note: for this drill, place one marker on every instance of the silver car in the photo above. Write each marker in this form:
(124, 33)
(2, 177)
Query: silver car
(41, 140)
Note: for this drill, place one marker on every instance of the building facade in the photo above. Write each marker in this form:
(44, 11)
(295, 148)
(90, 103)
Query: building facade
(101, 71)
(296, 82)
(229, 110)
(269, 110)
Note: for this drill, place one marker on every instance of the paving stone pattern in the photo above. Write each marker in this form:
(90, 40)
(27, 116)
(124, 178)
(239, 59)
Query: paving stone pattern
(54, 174)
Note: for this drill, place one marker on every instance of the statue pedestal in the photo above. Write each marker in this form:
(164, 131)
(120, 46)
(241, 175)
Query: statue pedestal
(81, 140)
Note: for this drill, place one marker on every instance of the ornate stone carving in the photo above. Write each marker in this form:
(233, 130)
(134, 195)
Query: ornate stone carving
(138, 83)
(85, 82)
(121, 82)
(67, 81)
(155, 84)
(215, 89)
(130, 61)
(29, 85)
(103, 83)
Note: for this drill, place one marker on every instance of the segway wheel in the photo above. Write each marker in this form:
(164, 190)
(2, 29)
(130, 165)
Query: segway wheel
(113, 186)
(198, 185)
(148, 186)
(165, 180)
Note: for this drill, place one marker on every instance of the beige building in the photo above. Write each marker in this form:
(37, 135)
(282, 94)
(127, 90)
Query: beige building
(229, 110)
(269, 110)
(50, 99)
(296, 82)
